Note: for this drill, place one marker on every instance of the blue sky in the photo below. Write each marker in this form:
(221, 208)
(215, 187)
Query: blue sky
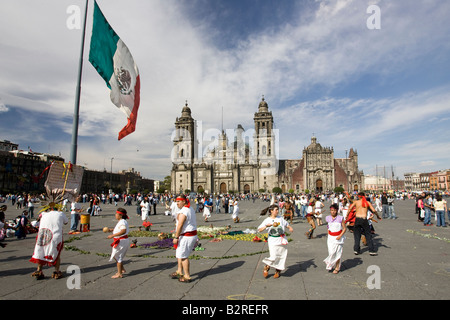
(383, 92)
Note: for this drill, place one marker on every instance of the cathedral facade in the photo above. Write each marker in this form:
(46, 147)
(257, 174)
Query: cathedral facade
(246, 161)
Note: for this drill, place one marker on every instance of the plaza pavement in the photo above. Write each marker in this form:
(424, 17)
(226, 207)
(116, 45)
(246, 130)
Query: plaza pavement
(412, 263)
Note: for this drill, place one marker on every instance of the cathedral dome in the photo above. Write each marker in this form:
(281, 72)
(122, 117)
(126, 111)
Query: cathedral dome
(186, 112)
(314, 145)
(263, 107)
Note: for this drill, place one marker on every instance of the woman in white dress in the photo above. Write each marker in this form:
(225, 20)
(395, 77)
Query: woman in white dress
(121, 242)
(318, 212)
(235, 214)
(207, 209)
(275, 226)
(335, 241)
(145, 208)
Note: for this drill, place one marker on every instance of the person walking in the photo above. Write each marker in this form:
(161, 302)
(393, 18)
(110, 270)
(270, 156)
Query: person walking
(311, 218)
(385, 206)
(361, 225)
(30, 205)
(391, 211)
(154, 202)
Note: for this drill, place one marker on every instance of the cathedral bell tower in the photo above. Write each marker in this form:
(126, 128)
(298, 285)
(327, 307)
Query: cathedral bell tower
(183, 141)
(264, 137)
(264, 154)
(183, 151)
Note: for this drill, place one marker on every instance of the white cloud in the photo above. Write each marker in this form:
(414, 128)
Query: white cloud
(3, 107)
(329, 49)
(427, 163)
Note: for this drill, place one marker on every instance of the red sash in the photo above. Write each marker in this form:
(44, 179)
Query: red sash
(189, 233)
(351, 217)
(364, 202)
(117, 240)
(186, 234)
(334, 234)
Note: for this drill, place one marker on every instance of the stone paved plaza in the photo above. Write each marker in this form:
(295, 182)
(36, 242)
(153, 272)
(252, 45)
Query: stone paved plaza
(412, 263)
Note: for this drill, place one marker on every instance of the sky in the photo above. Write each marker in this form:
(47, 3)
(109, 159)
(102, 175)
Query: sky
(377, 81)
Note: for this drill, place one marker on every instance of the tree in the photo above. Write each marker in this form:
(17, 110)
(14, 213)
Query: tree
(338, 190)
(277, 190)
(165, 185)
(167, 182)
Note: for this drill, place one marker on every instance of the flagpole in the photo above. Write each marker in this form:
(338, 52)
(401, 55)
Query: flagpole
(73, 152)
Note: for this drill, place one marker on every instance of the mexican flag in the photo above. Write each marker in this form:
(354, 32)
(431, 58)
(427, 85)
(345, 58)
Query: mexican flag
(113, 61)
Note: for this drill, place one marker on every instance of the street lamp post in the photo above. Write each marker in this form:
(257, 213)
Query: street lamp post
(110, 177)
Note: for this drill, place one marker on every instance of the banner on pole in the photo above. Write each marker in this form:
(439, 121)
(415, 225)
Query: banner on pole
(64, 181)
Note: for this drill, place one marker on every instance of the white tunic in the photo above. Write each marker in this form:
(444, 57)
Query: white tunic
(145, 209)
(49, 241)
(186, 243)
(118, 253)
(235, 210)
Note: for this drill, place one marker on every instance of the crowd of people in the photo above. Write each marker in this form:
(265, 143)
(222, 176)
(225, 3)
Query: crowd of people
(426, 204)
(353, 213)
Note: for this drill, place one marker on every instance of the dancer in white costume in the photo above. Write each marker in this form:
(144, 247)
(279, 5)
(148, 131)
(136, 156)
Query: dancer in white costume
(318, 211)
(276, 226)
(145, 208)
(335, 241)
(185, 238)
(121, 242)
(235, 214)
(207, 209)
(49, 242)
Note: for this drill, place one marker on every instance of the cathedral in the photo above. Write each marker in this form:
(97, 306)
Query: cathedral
(246, 161)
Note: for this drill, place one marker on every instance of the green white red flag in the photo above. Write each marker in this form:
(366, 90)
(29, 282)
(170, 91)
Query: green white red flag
(114, 62)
